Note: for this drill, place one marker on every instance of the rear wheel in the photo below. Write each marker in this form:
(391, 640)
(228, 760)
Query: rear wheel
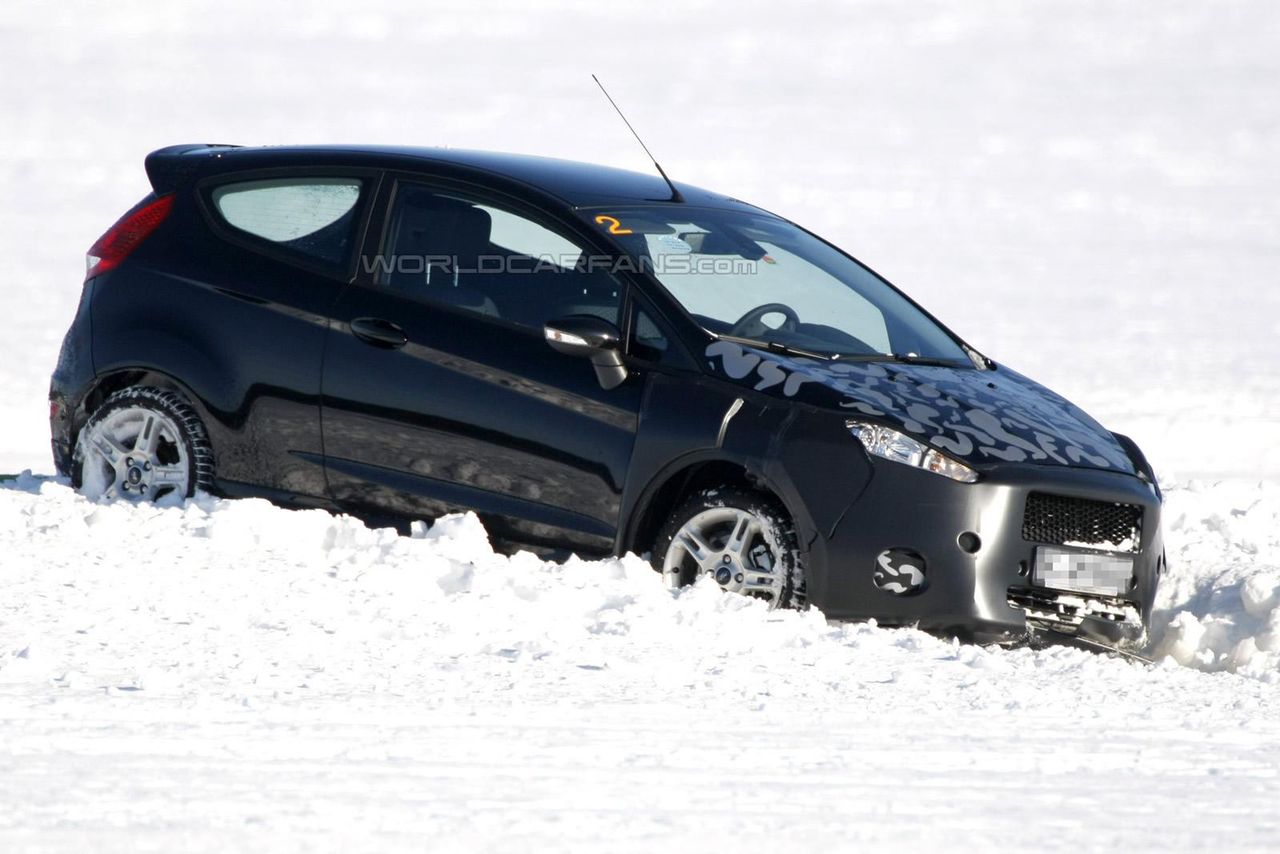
(143, 444)
(741, 538)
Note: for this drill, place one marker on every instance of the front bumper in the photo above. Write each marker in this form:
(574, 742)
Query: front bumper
(977, 565)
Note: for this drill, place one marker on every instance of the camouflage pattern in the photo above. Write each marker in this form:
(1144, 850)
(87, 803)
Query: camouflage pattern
(972, 415)
(904, 579)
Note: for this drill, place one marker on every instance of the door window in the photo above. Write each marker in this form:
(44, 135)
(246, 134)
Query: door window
(444, 248)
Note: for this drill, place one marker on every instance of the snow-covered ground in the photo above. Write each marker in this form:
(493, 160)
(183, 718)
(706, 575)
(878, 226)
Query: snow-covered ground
(232, 675)
(1088, 192)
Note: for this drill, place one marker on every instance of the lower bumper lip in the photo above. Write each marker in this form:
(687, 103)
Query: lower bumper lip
(1067, 612)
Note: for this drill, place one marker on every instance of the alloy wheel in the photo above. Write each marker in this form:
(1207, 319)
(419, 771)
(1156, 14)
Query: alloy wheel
(731, 545)
(137, 454)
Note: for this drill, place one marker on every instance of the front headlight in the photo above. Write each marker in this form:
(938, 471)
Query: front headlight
(900, 448)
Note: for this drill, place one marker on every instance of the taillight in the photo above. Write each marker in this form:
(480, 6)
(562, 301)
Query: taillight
(125, 236)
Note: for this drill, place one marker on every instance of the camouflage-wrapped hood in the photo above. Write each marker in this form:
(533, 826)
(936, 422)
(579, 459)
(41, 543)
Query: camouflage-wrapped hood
(976, 416)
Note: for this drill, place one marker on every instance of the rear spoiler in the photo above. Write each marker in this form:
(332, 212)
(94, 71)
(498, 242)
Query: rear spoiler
(172, 167)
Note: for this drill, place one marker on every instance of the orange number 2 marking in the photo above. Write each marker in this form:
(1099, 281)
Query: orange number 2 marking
(615, 227)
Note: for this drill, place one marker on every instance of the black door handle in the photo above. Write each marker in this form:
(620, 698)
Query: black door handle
(378, 332)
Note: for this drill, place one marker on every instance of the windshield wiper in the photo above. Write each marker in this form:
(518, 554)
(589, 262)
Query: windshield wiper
(904, 358)
(917, 359)
(779, 347)
(789, 350)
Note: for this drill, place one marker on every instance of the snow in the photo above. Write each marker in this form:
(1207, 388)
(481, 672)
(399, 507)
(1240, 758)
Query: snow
(1086, 192)
(1219, 607)
(228, 674)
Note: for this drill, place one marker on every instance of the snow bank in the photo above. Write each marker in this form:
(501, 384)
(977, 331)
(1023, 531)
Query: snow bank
(336, 597)
(1219, 605)
(304, 598)
(227, 675)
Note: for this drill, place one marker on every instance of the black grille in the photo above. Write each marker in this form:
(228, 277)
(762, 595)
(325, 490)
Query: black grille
(1059, 519)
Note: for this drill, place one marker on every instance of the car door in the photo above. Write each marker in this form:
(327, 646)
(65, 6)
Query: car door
(440, 392)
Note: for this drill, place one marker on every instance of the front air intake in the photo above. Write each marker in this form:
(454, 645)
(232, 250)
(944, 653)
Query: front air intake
(1066, 521)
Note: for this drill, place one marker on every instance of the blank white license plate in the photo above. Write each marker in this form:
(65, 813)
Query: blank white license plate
(1083, 572)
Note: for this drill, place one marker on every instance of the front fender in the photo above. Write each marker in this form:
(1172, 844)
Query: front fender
(804, 456)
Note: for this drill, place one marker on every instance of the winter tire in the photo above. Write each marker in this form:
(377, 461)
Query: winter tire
(741, 538)
(143, 444)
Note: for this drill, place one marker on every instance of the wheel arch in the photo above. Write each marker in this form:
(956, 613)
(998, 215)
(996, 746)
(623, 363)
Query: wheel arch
(110, 382)
(682, 478)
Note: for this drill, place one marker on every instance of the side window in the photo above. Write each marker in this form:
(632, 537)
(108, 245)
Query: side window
(647, 340)
(470, 254)
(520, 236)
(313, 217)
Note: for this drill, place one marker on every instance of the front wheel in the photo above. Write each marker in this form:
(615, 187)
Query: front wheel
(143, 444)
(741, 538)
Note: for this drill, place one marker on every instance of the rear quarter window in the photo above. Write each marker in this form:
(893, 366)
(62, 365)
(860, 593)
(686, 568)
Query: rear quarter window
(312, 217)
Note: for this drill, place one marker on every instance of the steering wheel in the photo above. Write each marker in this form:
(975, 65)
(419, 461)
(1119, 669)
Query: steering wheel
(752, 325)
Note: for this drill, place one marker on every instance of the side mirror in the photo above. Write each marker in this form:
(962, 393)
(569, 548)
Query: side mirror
(591, 337)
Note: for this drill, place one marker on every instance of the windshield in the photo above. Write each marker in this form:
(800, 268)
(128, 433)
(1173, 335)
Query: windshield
(754, 276)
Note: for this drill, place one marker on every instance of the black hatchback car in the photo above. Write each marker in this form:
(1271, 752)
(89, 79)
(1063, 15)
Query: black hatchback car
(593, 361)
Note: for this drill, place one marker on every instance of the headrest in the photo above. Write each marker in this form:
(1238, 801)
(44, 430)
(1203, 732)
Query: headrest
(471, 228)
(442, 225)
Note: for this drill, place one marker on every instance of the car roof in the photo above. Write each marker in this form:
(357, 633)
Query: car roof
(578, 184)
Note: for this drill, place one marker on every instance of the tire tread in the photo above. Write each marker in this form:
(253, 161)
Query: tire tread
(172, 404)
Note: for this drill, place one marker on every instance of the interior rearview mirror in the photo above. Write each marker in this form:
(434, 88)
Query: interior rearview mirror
(594, 338)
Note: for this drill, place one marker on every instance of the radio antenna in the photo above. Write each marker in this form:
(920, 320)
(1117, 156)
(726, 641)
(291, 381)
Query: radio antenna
(675, 194)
